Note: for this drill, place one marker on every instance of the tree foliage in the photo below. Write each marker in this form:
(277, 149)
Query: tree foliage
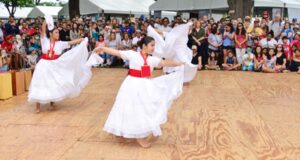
(11, 5)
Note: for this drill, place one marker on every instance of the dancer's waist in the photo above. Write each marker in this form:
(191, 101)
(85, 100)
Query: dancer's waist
(47, 57)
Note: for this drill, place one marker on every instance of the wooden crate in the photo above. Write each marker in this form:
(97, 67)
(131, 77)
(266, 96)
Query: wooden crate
(28, 76)
(5, 85)
(18, 79)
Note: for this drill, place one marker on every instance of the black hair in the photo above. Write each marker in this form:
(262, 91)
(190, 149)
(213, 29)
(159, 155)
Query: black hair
(284, 37)
(243, 31)
(231, 27)
(268, 53)
(255, 51)
(145, 41)
(271, 33)
(50, 31)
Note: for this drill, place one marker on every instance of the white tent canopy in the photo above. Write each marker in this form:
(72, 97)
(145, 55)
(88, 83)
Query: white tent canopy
(277, 3)
(44, 10)
(186, 5)
(64, 11)
(115, 6)
(20, 12)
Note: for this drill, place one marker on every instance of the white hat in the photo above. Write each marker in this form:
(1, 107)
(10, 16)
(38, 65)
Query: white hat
(194, 47)
(49, 21)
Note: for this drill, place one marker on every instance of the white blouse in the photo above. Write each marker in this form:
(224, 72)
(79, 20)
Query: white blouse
(136, 61)
(59, 47)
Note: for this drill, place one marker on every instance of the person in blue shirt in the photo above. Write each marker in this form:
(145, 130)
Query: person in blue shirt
(287, 31)
(127, 28)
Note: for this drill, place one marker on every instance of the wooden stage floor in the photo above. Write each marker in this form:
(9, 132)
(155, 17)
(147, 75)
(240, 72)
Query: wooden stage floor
(220, 116)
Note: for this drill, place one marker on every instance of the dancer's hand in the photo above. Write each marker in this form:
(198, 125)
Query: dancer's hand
(98, 50)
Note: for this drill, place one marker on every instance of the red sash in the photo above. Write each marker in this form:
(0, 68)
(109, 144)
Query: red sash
(144, 72)
(50, 55)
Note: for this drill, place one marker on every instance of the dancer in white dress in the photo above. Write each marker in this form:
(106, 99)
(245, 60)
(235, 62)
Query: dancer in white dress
(142, 102)
(58, 77)
(175, 47)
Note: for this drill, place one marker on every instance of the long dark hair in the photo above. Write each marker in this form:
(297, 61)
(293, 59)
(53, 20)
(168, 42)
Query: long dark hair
(268, 53)
(51, 31)
(231, 27)
(145, 41)
(257, 54)
(73, 29)
(278, 47)
(243, 31)
(214, 28)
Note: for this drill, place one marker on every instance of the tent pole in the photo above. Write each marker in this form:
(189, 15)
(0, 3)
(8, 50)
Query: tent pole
(282, 12)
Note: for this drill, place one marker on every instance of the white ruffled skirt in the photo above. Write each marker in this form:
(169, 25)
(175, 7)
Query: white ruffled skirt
(65, 77)
(142, 105)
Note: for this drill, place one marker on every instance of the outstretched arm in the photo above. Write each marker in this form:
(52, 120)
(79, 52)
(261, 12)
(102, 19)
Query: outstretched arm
(169, 63)
(101, 50)
(75, 41)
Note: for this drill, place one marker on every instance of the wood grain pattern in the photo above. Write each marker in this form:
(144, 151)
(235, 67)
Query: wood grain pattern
(220, 116)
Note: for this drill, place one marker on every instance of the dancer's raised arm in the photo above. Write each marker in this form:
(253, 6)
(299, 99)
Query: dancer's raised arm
(101, 50)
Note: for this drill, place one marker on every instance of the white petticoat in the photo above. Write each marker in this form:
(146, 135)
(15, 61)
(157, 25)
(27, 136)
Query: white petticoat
(65, 77)
(142, 105)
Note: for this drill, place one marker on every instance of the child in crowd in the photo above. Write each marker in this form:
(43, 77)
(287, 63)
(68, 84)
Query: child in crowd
(197, 59)
(212, 62)
(248, 61)
(230, 62)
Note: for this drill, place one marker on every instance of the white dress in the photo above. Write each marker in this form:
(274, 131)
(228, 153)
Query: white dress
(65, 77)
(142, 103)
(175, 47)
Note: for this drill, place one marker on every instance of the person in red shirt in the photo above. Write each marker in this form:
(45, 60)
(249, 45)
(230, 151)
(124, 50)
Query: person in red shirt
(287, 49)
(296, 41)
(8, 43)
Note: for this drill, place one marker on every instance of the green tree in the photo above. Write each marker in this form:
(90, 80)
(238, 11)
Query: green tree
(11, 5)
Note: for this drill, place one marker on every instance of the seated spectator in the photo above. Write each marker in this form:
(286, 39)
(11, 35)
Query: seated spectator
(248, 61)
(101, 41)
(127, 28)
(197, 59)
(259, 57)
(8, 43)
(295, 64)
(268, 42)
(165, 25)
(92, 44)
(32, 59)
(137, 37)
(270, 62)
(111, 43)
(212, 62)
(230, 62)
(126, 42)
(287, 31)
(280, 59)
(4, 61)
(287, 49)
